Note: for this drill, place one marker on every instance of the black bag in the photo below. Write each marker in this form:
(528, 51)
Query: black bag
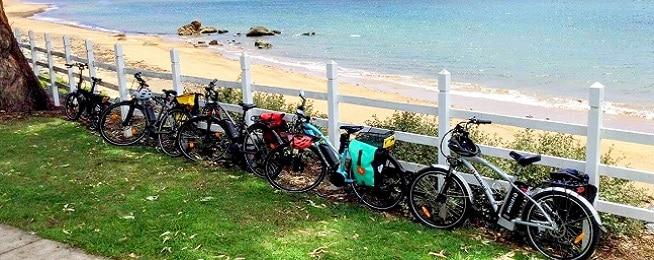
(573, 180)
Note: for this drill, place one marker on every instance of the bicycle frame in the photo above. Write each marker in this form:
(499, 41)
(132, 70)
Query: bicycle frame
(504, 222)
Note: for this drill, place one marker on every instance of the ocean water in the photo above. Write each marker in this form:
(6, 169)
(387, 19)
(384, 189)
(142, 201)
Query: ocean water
(533, 48)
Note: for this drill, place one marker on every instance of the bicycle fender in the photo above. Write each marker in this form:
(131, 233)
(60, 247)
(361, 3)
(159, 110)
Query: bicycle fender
(582, 199)
(444, 169)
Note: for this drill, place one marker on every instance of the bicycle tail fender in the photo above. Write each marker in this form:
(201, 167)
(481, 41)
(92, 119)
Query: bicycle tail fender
(582, 199)
(444, 169)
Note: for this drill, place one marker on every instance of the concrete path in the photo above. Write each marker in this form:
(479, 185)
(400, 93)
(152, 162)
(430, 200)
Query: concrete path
(18, 244)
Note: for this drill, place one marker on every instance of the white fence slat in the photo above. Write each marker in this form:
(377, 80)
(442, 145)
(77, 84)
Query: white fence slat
(90, 60)
(176, 71)
(333, 104)
(246, 85)
(68, 52)
(33, 53)
(594, 138)
(444, 104)
(120, 72)
(53, 75)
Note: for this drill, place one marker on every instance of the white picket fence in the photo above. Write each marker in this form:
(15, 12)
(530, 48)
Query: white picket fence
(593, 131)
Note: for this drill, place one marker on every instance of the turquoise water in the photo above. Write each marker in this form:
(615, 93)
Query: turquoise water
(554, 48)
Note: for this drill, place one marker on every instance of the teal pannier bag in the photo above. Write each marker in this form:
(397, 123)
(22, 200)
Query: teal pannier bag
(362, 155)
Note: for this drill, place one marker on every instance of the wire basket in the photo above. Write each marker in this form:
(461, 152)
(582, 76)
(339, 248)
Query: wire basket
(377, 139)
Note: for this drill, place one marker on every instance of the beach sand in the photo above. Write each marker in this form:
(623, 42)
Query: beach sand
(153, 53)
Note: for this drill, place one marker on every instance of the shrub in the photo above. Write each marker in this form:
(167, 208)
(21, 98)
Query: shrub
(412, 123)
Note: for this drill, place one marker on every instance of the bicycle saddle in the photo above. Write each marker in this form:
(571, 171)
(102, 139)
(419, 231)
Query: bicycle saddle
(170, 92)
(351, 129)
(247, 107)
(524, 159)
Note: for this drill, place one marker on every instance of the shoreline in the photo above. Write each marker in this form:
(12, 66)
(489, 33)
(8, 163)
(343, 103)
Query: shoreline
(151, 51)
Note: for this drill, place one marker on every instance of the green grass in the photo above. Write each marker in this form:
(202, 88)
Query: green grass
(65, 184)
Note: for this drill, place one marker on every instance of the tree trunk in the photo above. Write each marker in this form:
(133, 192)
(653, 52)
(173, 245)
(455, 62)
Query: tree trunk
(20, 89)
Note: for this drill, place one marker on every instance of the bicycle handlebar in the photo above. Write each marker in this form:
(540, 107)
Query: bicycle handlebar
(80, 65)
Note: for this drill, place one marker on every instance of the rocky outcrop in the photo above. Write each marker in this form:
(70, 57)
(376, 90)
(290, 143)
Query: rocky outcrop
(260, 31)
(195, 28)
(309, 33)
(261, 44)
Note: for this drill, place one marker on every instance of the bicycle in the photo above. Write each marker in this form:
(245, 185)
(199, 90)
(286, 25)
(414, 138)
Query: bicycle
(301, 163)
(216, 136)
(559, 223)
(82, 102)
(128, 122)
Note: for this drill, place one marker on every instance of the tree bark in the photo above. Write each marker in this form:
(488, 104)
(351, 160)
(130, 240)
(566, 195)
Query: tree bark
(20, 89)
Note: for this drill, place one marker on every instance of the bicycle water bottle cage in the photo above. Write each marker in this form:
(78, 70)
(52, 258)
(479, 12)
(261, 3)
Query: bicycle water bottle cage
(524, 159)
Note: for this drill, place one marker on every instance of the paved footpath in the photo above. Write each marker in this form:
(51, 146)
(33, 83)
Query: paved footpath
(18, 244)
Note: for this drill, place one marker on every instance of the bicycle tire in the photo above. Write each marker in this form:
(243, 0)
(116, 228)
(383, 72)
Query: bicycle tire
(197, 143)
(167, 131)
(256, 147)
(94, 117)
(73, 106)
(452, 208)
(111, 124)
(294, 170)
(578, 233)
(387, 192)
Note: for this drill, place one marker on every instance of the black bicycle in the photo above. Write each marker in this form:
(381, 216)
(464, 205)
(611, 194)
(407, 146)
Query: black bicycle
(83, 103)
(128, 122)
(216, 136)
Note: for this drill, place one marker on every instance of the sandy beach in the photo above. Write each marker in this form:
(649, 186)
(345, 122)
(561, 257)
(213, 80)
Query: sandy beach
(153, 53)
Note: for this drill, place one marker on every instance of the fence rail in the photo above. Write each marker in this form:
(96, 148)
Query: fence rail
(594, 131)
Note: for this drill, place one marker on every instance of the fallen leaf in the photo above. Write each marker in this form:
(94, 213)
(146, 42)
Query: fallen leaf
(151, 198)
(439, 254)
(128, 217)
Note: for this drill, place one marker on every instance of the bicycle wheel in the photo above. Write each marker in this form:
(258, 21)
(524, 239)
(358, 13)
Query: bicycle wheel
(446, 210)
(387, 192)
(167, 131)
(118, 127)
(202, 138)
(294, 170)
(94, 118)
(257, 144)
(73, 106)
(578, 233)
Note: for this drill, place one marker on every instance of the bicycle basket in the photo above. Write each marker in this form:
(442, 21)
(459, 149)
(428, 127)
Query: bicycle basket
(379, 140)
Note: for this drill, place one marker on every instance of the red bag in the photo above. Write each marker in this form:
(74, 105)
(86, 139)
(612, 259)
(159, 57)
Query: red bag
(273, 119)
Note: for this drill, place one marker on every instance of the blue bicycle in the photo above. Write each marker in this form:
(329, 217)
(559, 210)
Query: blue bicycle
(366, 164)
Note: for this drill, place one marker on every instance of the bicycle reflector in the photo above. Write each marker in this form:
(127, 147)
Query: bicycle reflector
(191, 144)
(580, 237)
(114, 117)
(426, 211)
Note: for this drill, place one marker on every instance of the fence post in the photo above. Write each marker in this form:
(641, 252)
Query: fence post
(176, 71)
(593, 134)
(67, 53)
(35, 67)
(90, 60)
(53, 75)
(246, 87)
(444, 82)
(17, 35)
(120, 72)
(332, 103)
